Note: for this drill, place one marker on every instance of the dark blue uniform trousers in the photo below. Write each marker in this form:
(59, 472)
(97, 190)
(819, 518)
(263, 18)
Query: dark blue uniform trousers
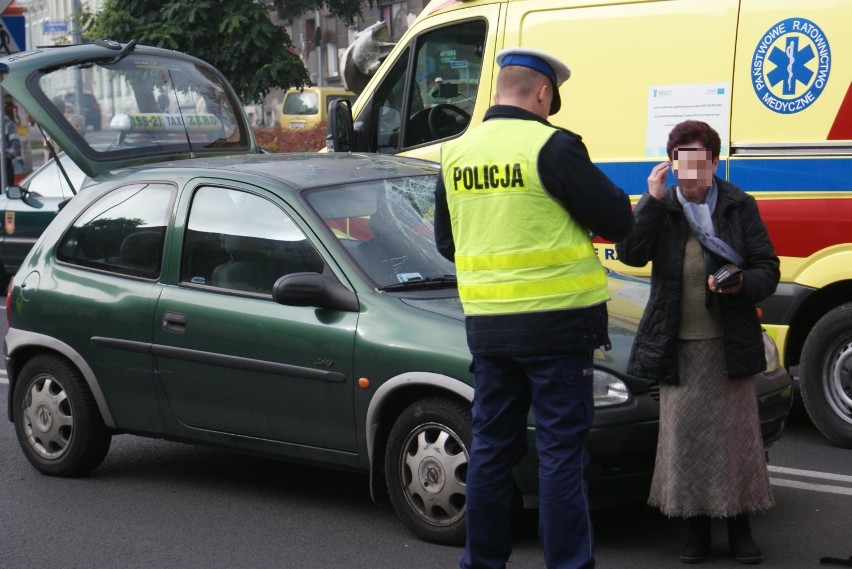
(559, 388)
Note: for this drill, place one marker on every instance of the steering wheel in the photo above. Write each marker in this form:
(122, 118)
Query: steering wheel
(441, 131)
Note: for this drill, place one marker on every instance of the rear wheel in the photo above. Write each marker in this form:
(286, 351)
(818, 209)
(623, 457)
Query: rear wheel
(56, 419)
(426, 469)
(826, 380)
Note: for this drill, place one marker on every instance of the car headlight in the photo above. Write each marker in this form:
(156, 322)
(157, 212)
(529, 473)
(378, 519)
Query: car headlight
(773, 360)
(608, 390)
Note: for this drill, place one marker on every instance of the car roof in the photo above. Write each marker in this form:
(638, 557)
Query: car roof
(310, 170)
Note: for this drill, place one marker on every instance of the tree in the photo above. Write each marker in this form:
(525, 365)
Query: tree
(235, 36)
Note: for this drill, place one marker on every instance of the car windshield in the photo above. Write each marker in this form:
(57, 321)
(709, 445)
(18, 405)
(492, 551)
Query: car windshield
(142, 102)
(386, 227)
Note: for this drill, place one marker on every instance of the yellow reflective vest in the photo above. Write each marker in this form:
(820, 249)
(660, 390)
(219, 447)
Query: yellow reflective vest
(516, 248)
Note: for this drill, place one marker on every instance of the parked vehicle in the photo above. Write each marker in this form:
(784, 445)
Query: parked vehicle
(29, 208)
(288, 305)
(308, 107)
(773, 78)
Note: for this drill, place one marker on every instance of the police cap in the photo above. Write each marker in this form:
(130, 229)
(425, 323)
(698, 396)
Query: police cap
(542, 62)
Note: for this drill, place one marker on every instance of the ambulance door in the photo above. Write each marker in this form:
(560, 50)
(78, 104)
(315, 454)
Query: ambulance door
(637, 69)
(791, 148)
(433, 86)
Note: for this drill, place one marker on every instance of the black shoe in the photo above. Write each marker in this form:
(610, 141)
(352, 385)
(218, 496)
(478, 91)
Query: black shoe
(697, 546)
(741, 543)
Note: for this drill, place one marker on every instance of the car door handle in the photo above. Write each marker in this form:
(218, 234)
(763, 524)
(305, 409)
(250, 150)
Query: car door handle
(174, 321)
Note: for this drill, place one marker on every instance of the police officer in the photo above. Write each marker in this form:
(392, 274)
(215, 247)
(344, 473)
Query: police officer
(515, 204)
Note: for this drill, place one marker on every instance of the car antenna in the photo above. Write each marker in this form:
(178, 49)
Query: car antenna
(53, 155)
(125, 51)
(180, 112)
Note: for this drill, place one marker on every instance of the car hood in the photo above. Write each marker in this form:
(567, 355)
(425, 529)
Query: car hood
(628, 296)
(449, 307)
(154, 104)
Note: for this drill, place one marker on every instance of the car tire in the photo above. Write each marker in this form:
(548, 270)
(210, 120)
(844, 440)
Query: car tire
(426, 469)
(56, 418)
(826, 375)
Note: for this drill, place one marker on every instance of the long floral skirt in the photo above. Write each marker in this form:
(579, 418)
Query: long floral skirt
(710, 455)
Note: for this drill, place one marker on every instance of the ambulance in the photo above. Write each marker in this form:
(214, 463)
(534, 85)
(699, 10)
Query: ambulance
(773, 77)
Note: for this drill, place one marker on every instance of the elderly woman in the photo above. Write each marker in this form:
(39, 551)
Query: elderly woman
(703, 342)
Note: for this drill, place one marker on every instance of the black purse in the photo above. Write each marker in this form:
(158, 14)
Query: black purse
(728, 276)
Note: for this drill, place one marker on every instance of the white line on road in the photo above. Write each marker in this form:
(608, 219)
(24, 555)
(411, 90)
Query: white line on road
(814, 487)
(810, 474)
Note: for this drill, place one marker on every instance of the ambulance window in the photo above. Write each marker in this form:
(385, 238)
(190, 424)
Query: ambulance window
(441, 88)
(446, 82)
(389, 99)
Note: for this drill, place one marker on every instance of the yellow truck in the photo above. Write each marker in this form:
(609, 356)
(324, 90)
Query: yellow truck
(774, 77)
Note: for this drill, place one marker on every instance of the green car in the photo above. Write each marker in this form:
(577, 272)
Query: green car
(292, 306)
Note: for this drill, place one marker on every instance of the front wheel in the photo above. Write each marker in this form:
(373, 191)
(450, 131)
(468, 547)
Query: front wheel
(56, 419)
(426, 469)
(826, 375)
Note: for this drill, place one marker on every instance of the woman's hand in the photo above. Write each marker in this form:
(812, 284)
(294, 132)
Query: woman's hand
(736, 289)
(657, 180)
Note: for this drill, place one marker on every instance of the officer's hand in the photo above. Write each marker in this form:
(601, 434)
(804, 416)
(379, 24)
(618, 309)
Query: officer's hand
(657, 180)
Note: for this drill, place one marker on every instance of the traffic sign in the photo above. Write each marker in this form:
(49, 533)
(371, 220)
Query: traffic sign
(5, 4)
(12, 35)
(56, 27)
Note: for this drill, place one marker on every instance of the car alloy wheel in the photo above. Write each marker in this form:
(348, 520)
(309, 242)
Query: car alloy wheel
(56, 418)
(426, 468)
(48, 421)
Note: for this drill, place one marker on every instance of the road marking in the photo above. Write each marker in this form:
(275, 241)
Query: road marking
(813, 475)
(814, 487)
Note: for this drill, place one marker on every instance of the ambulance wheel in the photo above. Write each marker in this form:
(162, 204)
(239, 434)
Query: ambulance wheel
(426, 469)
(826, 375)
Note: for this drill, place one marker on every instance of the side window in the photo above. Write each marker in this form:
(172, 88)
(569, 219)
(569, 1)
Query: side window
(240, 241)
(50, 183)
(123, 232)
(442, 89)
(389, 107)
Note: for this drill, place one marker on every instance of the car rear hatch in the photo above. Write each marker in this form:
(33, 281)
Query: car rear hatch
(155, 104)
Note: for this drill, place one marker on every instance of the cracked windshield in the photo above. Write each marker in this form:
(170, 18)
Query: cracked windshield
(145, 103)
(386, 227)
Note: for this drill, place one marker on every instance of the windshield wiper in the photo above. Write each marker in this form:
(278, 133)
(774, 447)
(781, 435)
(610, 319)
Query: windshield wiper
(421, 283)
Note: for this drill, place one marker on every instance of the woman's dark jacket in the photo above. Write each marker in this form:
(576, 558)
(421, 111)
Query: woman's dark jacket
(659, 235)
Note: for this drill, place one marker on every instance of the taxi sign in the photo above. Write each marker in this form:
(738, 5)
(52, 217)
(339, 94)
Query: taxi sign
(167, 122)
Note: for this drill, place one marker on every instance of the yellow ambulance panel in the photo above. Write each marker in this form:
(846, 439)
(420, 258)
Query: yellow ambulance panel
(793, 72)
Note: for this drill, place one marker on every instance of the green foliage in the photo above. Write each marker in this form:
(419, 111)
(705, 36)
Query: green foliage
(235, 36)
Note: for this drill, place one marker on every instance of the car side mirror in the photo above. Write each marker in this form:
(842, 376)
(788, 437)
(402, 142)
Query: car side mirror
(313, 289)
(14, 192)
(341, 132)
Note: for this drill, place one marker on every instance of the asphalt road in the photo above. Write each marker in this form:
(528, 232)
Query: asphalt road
(160, 504)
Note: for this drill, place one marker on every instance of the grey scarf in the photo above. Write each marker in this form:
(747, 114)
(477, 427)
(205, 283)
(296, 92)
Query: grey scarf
(700, 218)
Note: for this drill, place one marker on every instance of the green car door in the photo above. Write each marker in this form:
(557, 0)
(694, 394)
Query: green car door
(229, 358)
